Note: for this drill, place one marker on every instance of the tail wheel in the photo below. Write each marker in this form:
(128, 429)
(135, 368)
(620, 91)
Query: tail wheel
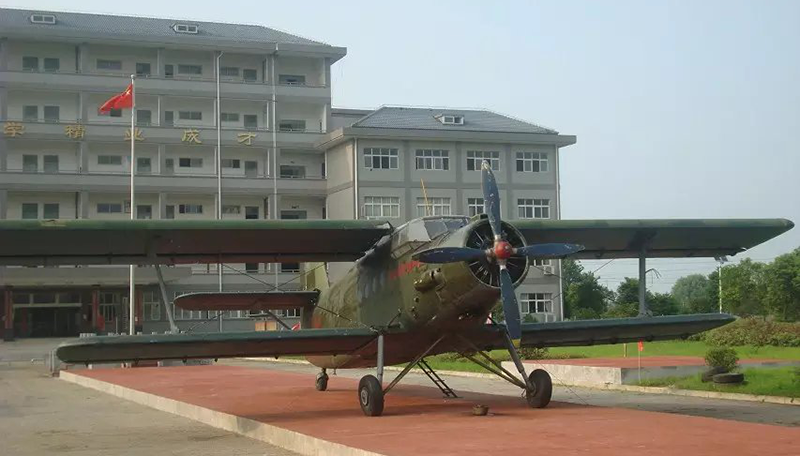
(542, 385)
(370, 396)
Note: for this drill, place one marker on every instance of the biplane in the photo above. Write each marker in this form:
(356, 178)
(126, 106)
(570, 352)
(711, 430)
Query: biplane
(420, 289)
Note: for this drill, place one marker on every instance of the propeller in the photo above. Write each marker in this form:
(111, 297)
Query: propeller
(499, 252)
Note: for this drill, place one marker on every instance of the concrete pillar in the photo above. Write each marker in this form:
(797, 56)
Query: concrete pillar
(3, 103)
(326, 72)
(510, 165)
(458, 165)
(83, 204)
(158, 110)
(83, 59)
(83, 152)
(8, 315)
(326, 117)
(159, 62)
(3, 204)
(83, 107)
(3, 54)
(162, 206)
(159, 160)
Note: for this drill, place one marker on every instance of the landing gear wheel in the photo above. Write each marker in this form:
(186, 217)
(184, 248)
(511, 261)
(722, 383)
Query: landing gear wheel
(370, 396)
(322, 381)
(539, 397)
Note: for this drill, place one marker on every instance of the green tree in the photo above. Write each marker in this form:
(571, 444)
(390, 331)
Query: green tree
(782, 282)
(625, 310)
(584, 297)
(663, 304)
(743, 288)
(693, 294)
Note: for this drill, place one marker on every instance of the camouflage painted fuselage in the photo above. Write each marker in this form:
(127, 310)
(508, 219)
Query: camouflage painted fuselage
(388, 288)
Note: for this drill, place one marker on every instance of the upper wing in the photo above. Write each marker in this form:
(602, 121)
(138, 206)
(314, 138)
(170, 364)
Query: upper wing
(616, 330)
(660, 238)
(56, 242)
(214, 345)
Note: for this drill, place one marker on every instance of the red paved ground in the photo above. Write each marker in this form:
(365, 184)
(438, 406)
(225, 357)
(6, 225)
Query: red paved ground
(647, 361)
(418, 421)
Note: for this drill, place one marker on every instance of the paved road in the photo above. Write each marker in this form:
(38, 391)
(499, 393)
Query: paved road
(43, 415)
(754, 412)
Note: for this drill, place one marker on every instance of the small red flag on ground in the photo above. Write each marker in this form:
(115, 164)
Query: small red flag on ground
(641, 346)
(119, 101)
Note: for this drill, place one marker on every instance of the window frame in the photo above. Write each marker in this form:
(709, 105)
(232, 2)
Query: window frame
(111, 159)
(381, 155)
(29, 207)
(533, 208)
(472, 203)
(108, 65)
(476, 157)
(532, 162)
(432, 159)
(439, 205)
(380, 207)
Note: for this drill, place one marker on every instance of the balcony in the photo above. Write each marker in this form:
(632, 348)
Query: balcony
(154, 183)
(155, 85)
(154, 134)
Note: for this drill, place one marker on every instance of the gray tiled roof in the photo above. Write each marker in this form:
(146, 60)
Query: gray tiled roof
(103, 24)
(425, 119)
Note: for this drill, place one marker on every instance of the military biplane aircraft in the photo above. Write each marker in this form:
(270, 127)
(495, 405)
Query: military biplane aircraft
(424, 288)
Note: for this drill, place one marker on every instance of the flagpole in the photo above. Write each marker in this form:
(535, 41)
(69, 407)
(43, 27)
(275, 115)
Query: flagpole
(131, 285)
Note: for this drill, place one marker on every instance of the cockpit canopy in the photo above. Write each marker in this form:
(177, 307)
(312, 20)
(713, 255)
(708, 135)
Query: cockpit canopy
(424, 229)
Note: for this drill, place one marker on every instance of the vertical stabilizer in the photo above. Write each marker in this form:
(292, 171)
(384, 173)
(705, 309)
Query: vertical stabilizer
(315, 276)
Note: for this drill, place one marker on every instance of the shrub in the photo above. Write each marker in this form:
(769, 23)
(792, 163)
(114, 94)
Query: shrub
(534, 353)
(753, 331)
(722, 357)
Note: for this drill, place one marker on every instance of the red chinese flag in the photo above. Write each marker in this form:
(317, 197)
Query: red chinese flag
(641, 346)
(119, 101)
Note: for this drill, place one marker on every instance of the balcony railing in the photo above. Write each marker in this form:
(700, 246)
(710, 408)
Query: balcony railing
(177, 126)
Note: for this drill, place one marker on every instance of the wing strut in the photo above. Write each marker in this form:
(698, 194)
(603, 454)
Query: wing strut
(643, 310)
(173, 328)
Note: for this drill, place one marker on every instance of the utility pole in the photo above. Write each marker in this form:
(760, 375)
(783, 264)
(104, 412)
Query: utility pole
(720, 261)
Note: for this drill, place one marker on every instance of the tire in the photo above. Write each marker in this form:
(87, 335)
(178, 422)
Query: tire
(322, 382)
(729, 378)
(370, 396)
(708, 375)
(542, 389)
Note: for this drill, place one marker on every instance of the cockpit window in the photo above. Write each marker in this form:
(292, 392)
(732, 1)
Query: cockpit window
(437, 226)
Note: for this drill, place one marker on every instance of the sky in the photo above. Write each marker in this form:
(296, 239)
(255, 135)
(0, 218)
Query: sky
(681, 109)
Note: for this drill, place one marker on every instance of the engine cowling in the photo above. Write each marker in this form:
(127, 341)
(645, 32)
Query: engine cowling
(487, 270)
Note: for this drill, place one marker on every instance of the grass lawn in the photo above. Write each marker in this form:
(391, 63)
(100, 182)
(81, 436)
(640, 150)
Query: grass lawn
(783, 381)
(665, 348)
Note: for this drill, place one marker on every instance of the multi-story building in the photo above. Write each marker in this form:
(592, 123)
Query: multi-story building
(61, 159)
(399, 163)
(284, 154)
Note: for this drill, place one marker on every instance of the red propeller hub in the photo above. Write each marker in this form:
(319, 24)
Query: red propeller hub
(503, 250)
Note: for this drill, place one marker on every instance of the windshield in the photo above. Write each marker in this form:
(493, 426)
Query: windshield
(437, 226)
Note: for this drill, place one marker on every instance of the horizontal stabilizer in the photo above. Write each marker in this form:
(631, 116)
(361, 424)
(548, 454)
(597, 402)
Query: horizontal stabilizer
(254, 302)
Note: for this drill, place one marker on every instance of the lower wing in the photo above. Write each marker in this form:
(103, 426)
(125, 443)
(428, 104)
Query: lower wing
(215, 345)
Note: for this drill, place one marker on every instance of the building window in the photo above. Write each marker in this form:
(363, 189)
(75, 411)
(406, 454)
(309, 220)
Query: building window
(109, 208)
(380, 158)
(449, 119)
(475, 206)
(249, 75)
(143, 165)
(251, 212)
(546, 266)
(47, 19)
(115, 113)
(50, 211)
(379, 207)
(114, 65)
(50, 163)
(536, 303)
(531, 162)
(169, 212)
(109, 302)
(185, 28)
(51, 64)
(30, 63)
(290, 267)
(291, 79)
(52, 114)
(292, 172)
(476, 157)
(144, 117)
(30, 163)
(433, 159)
(169, 71)
(190, 115)
(143, 69)
(292, 125)
(233, 163)
(533, 208)
(229, 116)
(169, 118)
(192, 70)
(251, 121)
(190, 162)
(144, 211)
(30, 113)
(152, 306)
(111, 160)
(231, 209)
(30, 211)
(229, 72)
(190, 208)
(433, 206)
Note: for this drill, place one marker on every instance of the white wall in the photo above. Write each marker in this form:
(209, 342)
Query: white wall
(311, 113)
(242, 108)
(376, 174)
(193, 151)
(548, 177)
(433, 175)
(312, 161)
(242, 61)
(177, 104)
(66, 202)
(312, 206)
(128, 55)
(67, 103)
(67, 154)
(312, 69)
(182, 57)
(64, 52)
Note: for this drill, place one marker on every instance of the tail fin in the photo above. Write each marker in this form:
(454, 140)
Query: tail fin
(315, 276)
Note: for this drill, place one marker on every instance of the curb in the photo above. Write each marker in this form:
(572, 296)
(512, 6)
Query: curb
(274, 435)
(608, 386)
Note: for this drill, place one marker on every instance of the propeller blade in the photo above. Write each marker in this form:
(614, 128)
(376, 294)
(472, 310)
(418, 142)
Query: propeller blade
(510, 306)
(548, 250)
(448, 255)
(491, 198)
